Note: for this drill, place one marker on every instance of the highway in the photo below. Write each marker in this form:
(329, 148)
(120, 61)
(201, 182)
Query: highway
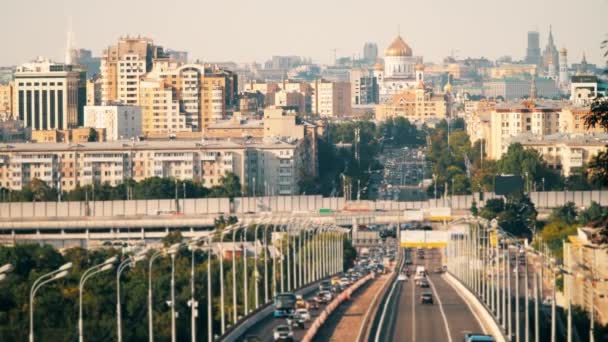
(406, 319)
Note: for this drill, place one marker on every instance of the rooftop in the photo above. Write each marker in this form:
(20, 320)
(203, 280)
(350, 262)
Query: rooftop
(566, 138)
(122, 145)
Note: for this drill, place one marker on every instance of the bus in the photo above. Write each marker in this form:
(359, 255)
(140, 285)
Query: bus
(284, 304)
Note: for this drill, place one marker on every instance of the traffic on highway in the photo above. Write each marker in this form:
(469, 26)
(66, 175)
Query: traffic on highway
(294, 313)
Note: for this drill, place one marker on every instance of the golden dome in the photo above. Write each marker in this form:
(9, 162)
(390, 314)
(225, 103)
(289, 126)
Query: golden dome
(378, 67)
(398, 48)
(419, 67)
(447, 88)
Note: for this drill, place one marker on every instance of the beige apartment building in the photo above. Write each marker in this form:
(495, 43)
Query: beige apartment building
(122, 65)
(572, 120)
(271, 165)
(331, 99)
(160, 109)
(6, 100)
(94, 91)
(512, 70)
(477, 118)
(74, 135)
(586, 258)
(565, 152)
(514, 118)
(416, 105)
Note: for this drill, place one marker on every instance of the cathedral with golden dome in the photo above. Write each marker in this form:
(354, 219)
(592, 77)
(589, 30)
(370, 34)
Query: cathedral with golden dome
(401, 70)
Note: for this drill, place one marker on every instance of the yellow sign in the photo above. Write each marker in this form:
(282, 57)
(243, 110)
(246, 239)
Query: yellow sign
(493, 238)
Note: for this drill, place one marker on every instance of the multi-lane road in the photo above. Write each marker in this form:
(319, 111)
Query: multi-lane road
(407, 319)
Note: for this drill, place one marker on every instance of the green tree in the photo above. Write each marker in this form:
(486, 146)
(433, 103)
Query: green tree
(566, 213)
(592, 214)
(172, 238)
(492, 208)
(93, 135)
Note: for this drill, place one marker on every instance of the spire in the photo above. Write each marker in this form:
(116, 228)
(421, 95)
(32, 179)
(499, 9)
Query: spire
(69, 43)
(550, 35)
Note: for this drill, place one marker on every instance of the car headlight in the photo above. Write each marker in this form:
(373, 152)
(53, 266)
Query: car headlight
(291, 333)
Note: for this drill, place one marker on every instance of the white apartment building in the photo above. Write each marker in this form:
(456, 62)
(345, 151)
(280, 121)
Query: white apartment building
(120, 121)
(511, 119)
(49, 95)
(271, 165)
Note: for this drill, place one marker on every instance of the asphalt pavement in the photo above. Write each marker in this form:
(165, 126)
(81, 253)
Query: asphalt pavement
(447, 319)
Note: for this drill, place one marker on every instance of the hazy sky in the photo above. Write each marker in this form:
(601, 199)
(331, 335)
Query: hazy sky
(254, 30)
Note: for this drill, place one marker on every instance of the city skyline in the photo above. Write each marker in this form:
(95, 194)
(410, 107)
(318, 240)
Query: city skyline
(179, 29)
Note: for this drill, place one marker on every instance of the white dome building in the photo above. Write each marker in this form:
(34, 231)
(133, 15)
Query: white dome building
(399, 72)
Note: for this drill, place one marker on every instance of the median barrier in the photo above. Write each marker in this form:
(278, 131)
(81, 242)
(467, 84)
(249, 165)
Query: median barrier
(380, 297)
(331, 307)
(237, 331)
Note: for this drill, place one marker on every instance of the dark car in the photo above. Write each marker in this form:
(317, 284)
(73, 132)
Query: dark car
(426, 298)
(252, 338)
(313, 305)
(296, 321)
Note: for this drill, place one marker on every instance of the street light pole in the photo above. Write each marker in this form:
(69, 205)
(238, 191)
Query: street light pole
(193, 302)
(41, 281)
(209, 292)
(154, 256)
(105, 266)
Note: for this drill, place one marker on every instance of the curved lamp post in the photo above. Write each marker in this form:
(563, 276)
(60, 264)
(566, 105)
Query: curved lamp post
(128, 262)
(105, 266)
(5, 270)
(154, 256)
(41, 281)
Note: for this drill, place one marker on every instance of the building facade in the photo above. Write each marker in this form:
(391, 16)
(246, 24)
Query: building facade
(417, 105)
(331, 99)
(514, 118)
(565, 152)
(49, 95)
(586, 259)
(120, 121)
(364, 87)
(122, 66)
(6, 101)
(272, 165)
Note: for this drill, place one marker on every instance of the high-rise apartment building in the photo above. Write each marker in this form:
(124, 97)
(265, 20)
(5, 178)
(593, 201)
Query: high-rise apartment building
(331, 99)
(49, 95)
(533, 50)
(202, 92)
(122, 66)
(364, 87)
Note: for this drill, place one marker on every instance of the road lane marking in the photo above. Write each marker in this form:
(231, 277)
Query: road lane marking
(413, 312)
(445, 319)
(483, 328)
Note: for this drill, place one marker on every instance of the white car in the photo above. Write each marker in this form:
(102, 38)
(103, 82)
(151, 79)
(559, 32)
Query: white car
(402, 277)
(304, 313)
